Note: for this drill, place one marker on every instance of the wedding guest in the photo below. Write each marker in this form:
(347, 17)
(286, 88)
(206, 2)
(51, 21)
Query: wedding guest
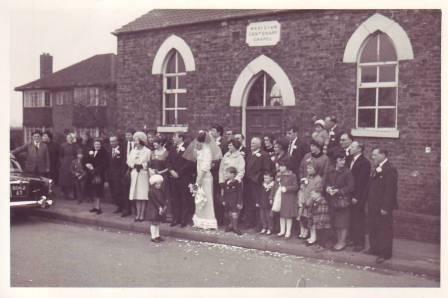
(228, 135)
(128, 145)
(320, 134)
(257, 162)
(345, 141)
(381, 203)
(316, 155)
(331, 124)
(296, 149)
(67, 155)
(138, 160)
(159, 165)
(280, 153)
(37, 156)
(96, 164)
(181, 174)
(360, 168)
(311, 188)
(232, 198)
(85, 142)
(116, 172)
(286, 188)
(266, 200)
(268, 145)
(216, 133)
(151, 135)
(233, 158)
(244, 151)
(338, 186)
(156, 206)
(53, 152)
(79, 175)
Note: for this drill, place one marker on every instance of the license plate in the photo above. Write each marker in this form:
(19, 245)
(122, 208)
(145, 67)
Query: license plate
(18, 190)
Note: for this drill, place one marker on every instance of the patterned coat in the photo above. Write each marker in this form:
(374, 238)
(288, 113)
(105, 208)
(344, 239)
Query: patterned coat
(315, 184)
(320, 214)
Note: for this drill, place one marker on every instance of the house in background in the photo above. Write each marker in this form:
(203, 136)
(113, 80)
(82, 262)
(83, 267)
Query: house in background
(78, 98)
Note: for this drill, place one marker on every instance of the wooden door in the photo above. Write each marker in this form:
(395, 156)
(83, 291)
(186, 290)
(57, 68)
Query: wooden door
(263, 120)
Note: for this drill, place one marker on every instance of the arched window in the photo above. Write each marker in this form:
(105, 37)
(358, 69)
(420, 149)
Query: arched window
(264, 92)
(376, 105)
(174, 91)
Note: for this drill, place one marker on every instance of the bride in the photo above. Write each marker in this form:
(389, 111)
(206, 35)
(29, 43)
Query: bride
(203, 150)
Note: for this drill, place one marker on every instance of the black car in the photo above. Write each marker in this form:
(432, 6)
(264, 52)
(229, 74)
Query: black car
(28, 190)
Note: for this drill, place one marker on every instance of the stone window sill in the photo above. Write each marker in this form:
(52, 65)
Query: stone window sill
(376, 133)
(172, 129)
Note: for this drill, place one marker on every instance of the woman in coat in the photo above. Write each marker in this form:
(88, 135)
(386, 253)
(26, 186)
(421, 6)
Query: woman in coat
(138, 160)
(159, 165)
(338, 186)
(316, 155)
(286, 187)
(280, 151)
(67, 155)
(232, 158)
(96, 163)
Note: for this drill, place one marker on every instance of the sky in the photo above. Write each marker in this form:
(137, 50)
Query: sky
(70, 31)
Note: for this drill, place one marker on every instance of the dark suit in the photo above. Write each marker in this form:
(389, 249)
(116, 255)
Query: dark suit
(382, 195)
(127, 178)
(361, 173)
(100, 164)
(115, 176)
(37, 158)
(296, 152)
(256, 165)
(333, 143)
(182, 201)
(217, 205)
(53, 152)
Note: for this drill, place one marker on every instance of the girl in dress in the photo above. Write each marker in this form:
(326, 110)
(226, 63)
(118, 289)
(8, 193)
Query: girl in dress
(203, 150)
(138, 160)
(286, 187)
(156, 206)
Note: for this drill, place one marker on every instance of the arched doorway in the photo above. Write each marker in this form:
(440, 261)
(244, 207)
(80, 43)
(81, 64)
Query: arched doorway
(262, 90)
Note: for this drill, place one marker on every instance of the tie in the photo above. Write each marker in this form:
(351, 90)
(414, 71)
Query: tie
(94, 155)
(290, 149)
(352, 163)
(129, 147)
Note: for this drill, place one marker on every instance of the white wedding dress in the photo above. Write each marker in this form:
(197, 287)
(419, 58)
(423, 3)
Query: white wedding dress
(204, 217)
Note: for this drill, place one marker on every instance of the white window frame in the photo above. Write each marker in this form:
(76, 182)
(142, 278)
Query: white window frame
(94, 132)
(175, 91)
(265, 92)
(376, 131)
(90, 96)
(35, 99)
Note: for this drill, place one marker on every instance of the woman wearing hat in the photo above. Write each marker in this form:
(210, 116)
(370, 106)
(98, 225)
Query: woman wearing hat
(138, 161)
(280, 151)
(317, 156)
(320, 134)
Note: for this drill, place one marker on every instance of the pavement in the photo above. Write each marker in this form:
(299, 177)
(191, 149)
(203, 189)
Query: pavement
(408, 256)
(65, 254)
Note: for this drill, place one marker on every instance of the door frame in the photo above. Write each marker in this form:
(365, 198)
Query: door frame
(267, 108)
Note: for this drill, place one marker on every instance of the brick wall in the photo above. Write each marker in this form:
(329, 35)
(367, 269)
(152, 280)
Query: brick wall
(310, 52)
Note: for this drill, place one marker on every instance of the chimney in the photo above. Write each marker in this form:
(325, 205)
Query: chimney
(46, 64)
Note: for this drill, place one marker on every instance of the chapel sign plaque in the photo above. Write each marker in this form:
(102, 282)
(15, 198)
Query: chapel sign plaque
(263, 34)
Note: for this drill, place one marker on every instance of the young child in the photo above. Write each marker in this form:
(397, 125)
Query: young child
(266, 199)
(232, 199)
(156, 206)
(287, 187)
(310, 187)
(79, 175)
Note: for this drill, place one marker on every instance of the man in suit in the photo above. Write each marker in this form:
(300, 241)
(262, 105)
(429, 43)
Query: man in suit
(296, 149)
(217, 132)
(345, 141)
(257, 163)
(127, 147)
(181, 175)
(243, 150)
(381, 202)
(37, 156)
(115, 174)
(360, 167)
(334, 132)
(53, 153)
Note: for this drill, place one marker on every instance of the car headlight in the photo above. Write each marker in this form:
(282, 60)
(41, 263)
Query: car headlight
(50, 186)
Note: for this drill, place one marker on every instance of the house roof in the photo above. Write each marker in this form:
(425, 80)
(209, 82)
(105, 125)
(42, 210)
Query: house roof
(162, 18)
(98, 70)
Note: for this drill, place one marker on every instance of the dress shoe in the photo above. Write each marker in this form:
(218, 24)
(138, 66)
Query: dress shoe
(160, 239)
(238, 232)
(93, 210)
(308, 243)
(339, 248)
(380, 260)
(281, 234)
(287, 237)
(98, 211)
(136, 220)
(358, 248)
(154, 240)
(183, 225)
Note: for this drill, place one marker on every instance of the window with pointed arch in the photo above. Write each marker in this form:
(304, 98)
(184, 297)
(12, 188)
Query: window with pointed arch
(376, 105)
(264, 92)
(174, 106)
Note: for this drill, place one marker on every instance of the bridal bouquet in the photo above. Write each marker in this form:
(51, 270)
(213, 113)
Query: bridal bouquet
(200, 199)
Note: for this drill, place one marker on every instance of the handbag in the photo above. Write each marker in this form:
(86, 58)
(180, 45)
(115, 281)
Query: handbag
(277, 203)
(339, 201)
